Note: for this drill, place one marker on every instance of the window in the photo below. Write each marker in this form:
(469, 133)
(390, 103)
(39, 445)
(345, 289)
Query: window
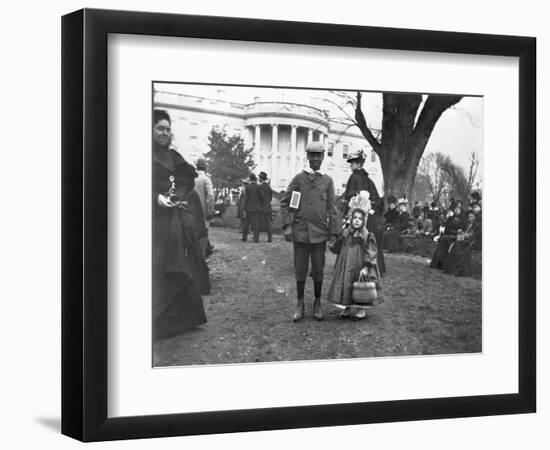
(345, 151)
(192, 137)
(330, 150)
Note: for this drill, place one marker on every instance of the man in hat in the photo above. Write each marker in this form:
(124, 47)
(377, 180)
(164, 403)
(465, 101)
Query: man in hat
(203, 186)
(253, 206)
(267, 196)
(310, 220)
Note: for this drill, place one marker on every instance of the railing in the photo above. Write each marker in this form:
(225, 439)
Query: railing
(261, 108)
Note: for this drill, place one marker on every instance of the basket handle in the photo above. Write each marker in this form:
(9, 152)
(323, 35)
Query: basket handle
(363, 278)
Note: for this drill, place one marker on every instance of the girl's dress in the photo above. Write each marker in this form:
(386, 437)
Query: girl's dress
(355, 249)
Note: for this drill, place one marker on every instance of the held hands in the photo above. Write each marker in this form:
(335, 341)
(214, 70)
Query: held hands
(288, 233)
(364, 271)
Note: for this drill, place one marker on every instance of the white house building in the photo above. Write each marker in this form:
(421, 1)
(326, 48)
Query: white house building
(277, 131)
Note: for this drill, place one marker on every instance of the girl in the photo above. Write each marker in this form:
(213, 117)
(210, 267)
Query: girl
(356, 249)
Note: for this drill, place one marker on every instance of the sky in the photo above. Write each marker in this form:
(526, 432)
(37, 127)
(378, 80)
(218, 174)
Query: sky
(458, 132)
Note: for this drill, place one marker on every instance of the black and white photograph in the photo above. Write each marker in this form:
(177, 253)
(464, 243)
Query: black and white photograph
(314, 224)
(263, 225)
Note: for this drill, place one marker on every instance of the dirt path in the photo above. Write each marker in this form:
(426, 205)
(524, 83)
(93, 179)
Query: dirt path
(253, 297)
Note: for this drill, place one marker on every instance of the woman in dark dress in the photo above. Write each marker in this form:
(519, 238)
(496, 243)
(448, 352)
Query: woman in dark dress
(376, 224)
(453, 224)
(458, 261)
(359, 181)
(397, 221)
(179, 271)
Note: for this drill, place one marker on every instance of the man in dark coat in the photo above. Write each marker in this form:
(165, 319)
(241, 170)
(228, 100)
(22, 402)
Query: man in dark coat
(253, 206)
(267, 196)
(310, 220)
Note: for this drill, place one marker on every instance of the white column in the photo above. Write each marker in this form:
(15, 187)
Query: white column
(293, 151)
(257, 142)
(274, 155)
(309, 136)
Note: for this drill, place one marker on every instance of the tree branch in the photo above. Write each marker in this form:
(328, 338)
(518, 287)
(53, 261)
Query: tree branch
(361, 123)
(340, 107)
(434, 107)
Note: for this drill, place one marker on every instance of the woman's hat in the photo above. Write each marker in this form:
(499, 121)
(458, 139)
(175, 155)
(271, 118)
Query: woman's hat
(403, 201)
(356, 154)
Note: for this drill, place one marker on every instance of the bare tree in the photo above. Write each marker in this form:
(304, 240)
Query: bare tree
(457, 180)
(472, 172)
(407, 124)
(408, 121)
(430, 168)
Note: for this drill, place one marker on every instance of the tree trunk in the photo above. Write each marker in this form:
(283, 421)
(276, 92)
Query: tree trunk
(404, 137)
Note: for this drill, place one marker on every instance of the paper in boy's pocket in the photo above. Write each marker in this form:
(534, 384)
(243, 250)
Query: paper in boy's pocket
(295, 199)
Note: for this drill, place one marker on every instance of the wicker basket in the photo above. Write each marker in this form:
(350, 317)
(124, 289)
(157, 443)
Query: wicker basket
(364, 291)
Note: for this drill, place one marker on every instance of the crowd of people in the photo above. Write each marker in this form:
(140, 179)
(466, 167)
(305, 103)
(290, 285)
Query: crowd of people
(356, 229)
(460, 232)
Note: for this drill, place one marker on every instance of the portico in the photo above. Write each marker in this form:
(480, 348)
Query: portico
(279, 139)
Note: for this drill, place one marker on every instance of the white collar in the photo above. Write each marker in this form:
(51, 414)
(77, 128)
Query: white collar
(311, 171)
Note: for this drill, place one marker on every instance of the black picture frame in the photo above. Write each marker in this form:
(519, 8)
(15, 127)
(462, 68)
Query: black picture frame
(84, 224)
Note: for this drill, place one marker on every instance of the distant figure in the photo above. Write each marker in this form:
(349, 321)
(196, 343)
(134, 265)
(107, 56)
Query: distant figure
(310, 220)
(253, 207)
(396, 223)
(240, 202)
(454, 225)
(427, 226)
(392, 214)
(203, 187)
(458, 257)
(416, 211)
(425, 210)
(267, 196)
(476, 209)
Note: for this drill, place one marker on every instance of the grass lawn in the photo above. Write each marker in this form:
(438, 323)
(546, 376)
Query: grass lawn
(250, 311)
